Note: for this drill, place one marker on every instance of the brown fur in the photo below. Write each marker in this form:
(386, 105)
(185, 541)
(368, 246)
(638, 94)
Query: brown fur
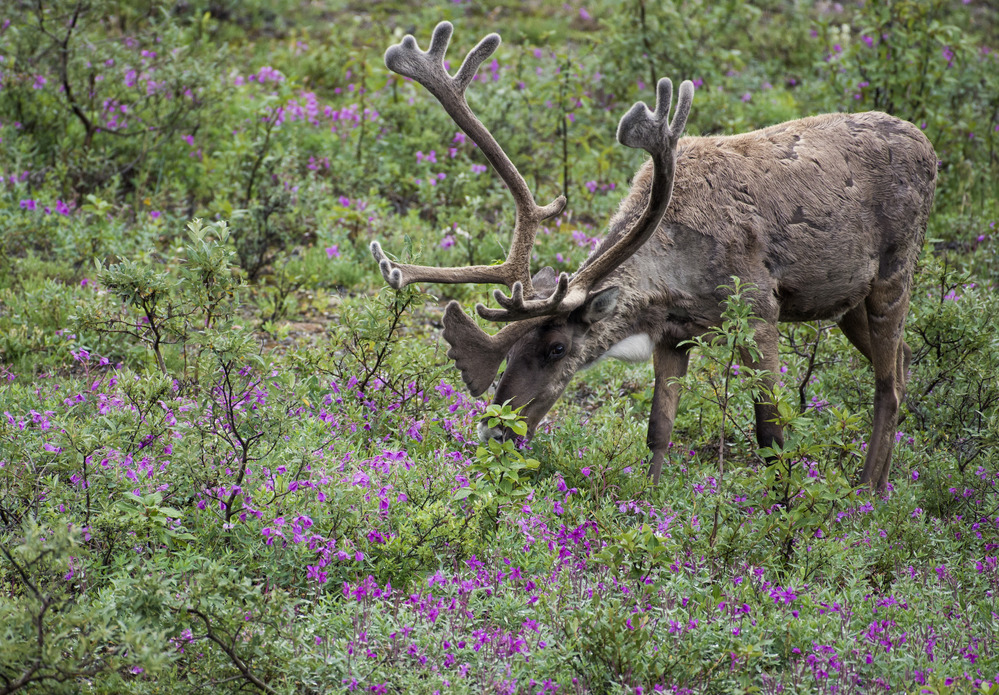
(824, 215)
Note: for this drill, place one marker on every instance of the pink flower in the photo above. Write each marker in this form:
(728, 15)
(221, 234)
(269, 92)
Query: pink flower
(333, 251)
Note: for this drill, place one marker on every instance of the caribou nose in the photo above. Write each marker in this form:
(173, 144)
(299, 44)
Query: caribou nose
(486, 433)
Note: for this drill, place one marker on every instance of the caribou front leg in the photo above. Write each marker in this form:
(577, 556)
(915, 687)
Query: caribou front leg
(670, 364)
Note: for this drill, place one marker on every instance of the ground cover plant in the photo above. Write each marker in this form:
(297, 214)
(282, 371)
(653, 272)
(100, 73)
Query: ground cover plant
(231, 460)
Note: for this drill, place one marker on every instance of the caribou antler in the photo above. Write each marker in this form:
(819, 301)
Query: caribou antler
(427, 68)
(476, 354)
(639, 128)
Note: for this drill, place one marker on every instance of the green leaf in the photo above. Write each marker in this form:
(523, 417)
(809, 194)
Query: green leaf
(462, 493)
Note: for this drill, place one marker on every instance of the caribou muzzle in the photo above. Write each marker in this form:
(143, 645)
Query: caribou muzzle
(486, 432)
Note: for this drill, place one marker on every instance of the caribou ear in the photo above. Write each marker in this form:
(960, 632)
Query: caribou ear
(473, 350)
(544, 281)
(599, 305)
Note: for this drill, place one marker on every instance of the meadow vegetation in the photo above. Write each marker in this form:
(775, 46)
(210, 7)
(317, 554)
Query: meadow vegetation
(231, 460)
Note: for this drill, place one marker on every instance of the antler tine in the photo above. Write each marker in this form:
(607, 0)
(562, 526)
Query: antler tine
(427, 68)
(652, 132)
(398, 275)
(476, 57)
(516, 308)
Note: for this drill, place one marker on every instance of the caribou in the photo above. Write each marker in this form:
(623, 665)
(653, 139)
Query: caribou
(824, 216)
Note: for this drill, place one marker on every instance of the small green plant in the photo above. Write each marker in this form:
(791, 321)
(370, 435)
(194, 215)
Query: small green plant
(635, 552)
(159, 308)
(53, 637)
(728, 352)
(107, 90)
(499, 473)
(151, 521)
(804, 481)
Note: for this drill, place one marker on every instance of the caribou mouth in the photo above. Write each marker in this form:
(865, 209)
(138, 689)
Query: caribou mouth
(486, 433)
(502, 434)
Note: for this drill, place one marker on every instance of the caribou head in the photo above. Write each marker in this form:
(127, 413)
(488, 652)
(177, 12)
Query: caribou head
(824, 216)
(548, 317)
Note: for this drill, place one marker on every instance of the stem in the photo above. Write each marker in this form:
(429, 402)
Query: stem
(563, 89)
(242, 446)
(88, 126)
(86, 486)
(725, 395)
(231, 653)
(360, 137)
(261, 154)
(149, 310)
(647, 43)
(812, 356)
(397, 312)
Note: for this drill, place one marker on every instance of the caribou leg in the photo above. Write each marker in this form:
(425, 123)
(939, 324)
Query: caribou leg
(886, 307)
(768, 429)
(903, 355)
(854, 327)
(670, 364)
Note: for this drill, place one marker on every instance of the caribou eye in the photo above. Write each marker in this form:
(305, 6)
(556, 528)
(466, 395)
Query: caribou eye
(556, 351)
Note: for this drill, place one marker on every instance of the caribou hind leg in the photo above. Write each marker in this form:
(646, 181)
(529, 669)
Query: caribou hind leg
(886, 307)
(854, 327)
